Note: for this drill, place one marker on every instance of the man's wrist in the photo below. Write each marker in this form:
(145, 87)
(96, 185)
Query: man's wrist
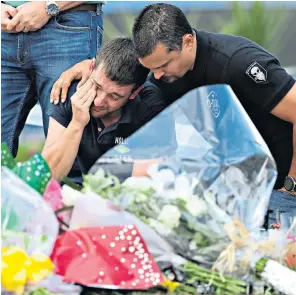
(76, 126)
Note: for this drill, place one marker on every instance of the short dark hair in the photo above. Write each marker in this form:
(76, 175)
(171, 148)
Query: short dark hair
(160, 23)
(119, 60)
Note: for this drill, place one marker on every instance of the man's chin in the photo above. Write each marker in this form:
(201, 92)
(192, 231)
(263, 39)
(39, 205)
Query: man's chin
(98, 114)
(170, 79)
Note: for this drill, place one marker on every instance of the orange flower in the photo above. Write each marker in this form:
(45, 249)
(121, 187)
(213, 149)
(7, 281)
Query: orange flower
(290, 258)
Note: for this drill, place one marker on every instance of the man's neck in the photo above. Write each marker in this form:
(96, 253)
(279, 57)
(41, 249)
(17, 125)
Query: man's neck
(112, 118)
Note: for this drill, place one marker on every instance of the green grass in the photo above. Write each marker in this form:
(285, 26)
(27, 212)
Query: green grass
(25, 151)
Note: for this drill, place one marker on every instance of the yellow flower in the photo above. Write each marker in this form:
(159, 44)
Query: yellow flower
(18, 268)
(170, 285)
(39, 266)
(14, 274)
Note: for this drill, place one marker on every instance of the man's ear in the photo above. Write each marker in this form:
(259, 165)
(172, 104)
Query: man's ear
(92, 65)
(188, 41)
(136, 92)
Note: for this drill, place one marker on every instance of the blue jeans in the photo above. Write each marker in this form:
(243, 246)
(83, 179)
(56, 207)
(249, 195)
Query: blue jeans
(32, 62)
(280, 202)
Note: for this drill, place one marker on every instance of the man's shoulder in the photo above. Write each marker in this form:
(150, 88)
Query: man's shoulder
(148, 103)
(151, 95)
(227, 44)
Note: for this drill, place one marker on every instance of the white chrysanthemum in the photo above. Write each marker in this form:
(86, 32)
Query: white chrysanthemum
(182, 187)
(170, 216)
(159, 227)
(138, 182)
(280, 277)
(196, 207)
(70, 195)
(141, 198)
(164, 176)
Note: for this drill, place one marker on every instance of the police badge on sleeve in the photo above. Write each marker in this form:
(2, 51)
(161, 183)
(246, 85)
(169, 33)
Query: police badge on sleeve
(257, 72)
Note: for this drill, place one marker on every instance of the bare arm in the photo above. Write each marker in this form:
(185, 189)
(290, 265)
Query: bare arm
(64, 5)
(61, 147)
(62, 143)
(140, 167)
(286, 110)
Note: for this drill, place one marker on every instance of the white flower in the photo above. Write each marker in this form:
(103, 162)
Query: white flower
(192, 246)
(195, 206)
(159, 227)
(69, 195)
(138, 182)
(141, 198)
(165, 176)
(170, 216)
(281, 278)
(182, 187)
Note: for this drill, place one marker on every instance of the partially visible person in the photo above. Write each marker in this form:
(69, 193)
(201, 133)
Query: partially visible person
(112, 104)
(183, 58)
(40, 40)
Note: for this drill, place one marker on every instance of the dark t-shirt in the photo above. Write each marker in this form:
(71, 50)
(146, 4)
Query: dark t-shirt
(96, 139)
(257, 79)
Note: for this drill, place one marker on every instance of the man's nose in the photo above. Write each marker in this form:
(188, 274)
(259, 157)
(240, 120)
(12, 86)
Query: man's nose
(100, 100)
(158, 74)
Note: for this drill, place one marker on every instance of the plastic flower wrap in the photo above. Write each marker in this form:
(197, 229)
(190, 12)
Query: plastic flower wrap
(209, 198)
(92, 211)
(53, 196)
(26, 221)
(106, 256)
(217, 167)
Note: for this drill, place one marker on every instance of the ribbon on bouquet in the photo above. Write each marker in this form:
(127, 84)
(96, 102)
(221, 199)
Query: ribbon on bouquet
(241, 240)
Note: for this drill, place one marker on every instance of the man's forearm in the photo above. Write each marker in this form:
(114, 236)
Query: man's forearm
(64, 5)
(293, 165)
(61, 155)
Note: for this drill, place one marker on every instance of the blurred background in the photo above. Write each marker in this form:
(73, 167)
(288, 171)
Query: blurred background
(270, 24)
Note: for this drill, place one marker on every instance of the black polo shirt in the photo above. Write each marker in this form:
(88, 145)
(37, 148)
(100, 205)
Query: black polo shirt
(257, 79)
(96, 139)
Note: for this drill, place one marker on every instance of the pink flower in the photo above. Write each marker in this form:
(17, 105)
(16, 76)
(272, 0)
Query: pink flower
(53, 196)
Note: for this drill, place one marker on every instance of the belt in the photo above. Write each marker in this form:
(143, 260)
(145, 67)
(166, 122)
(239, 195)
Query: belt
(83, 7)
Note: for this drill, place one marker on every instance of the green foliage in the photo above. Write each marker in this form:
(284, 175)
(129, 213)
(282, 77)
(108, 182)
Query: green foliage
(119, 27)
(25, 151)
(265, 26)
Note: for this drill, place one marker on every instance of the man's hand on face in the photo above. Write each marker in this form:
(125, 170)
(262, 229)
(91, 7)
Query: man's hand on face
(30, 16)
(7, 12)
(81, 102)
(60, 87)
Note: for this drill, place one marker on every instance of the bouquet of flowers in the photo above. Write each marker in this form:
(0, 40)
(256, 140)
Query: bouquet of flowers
(195, 228)
(209, 198)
